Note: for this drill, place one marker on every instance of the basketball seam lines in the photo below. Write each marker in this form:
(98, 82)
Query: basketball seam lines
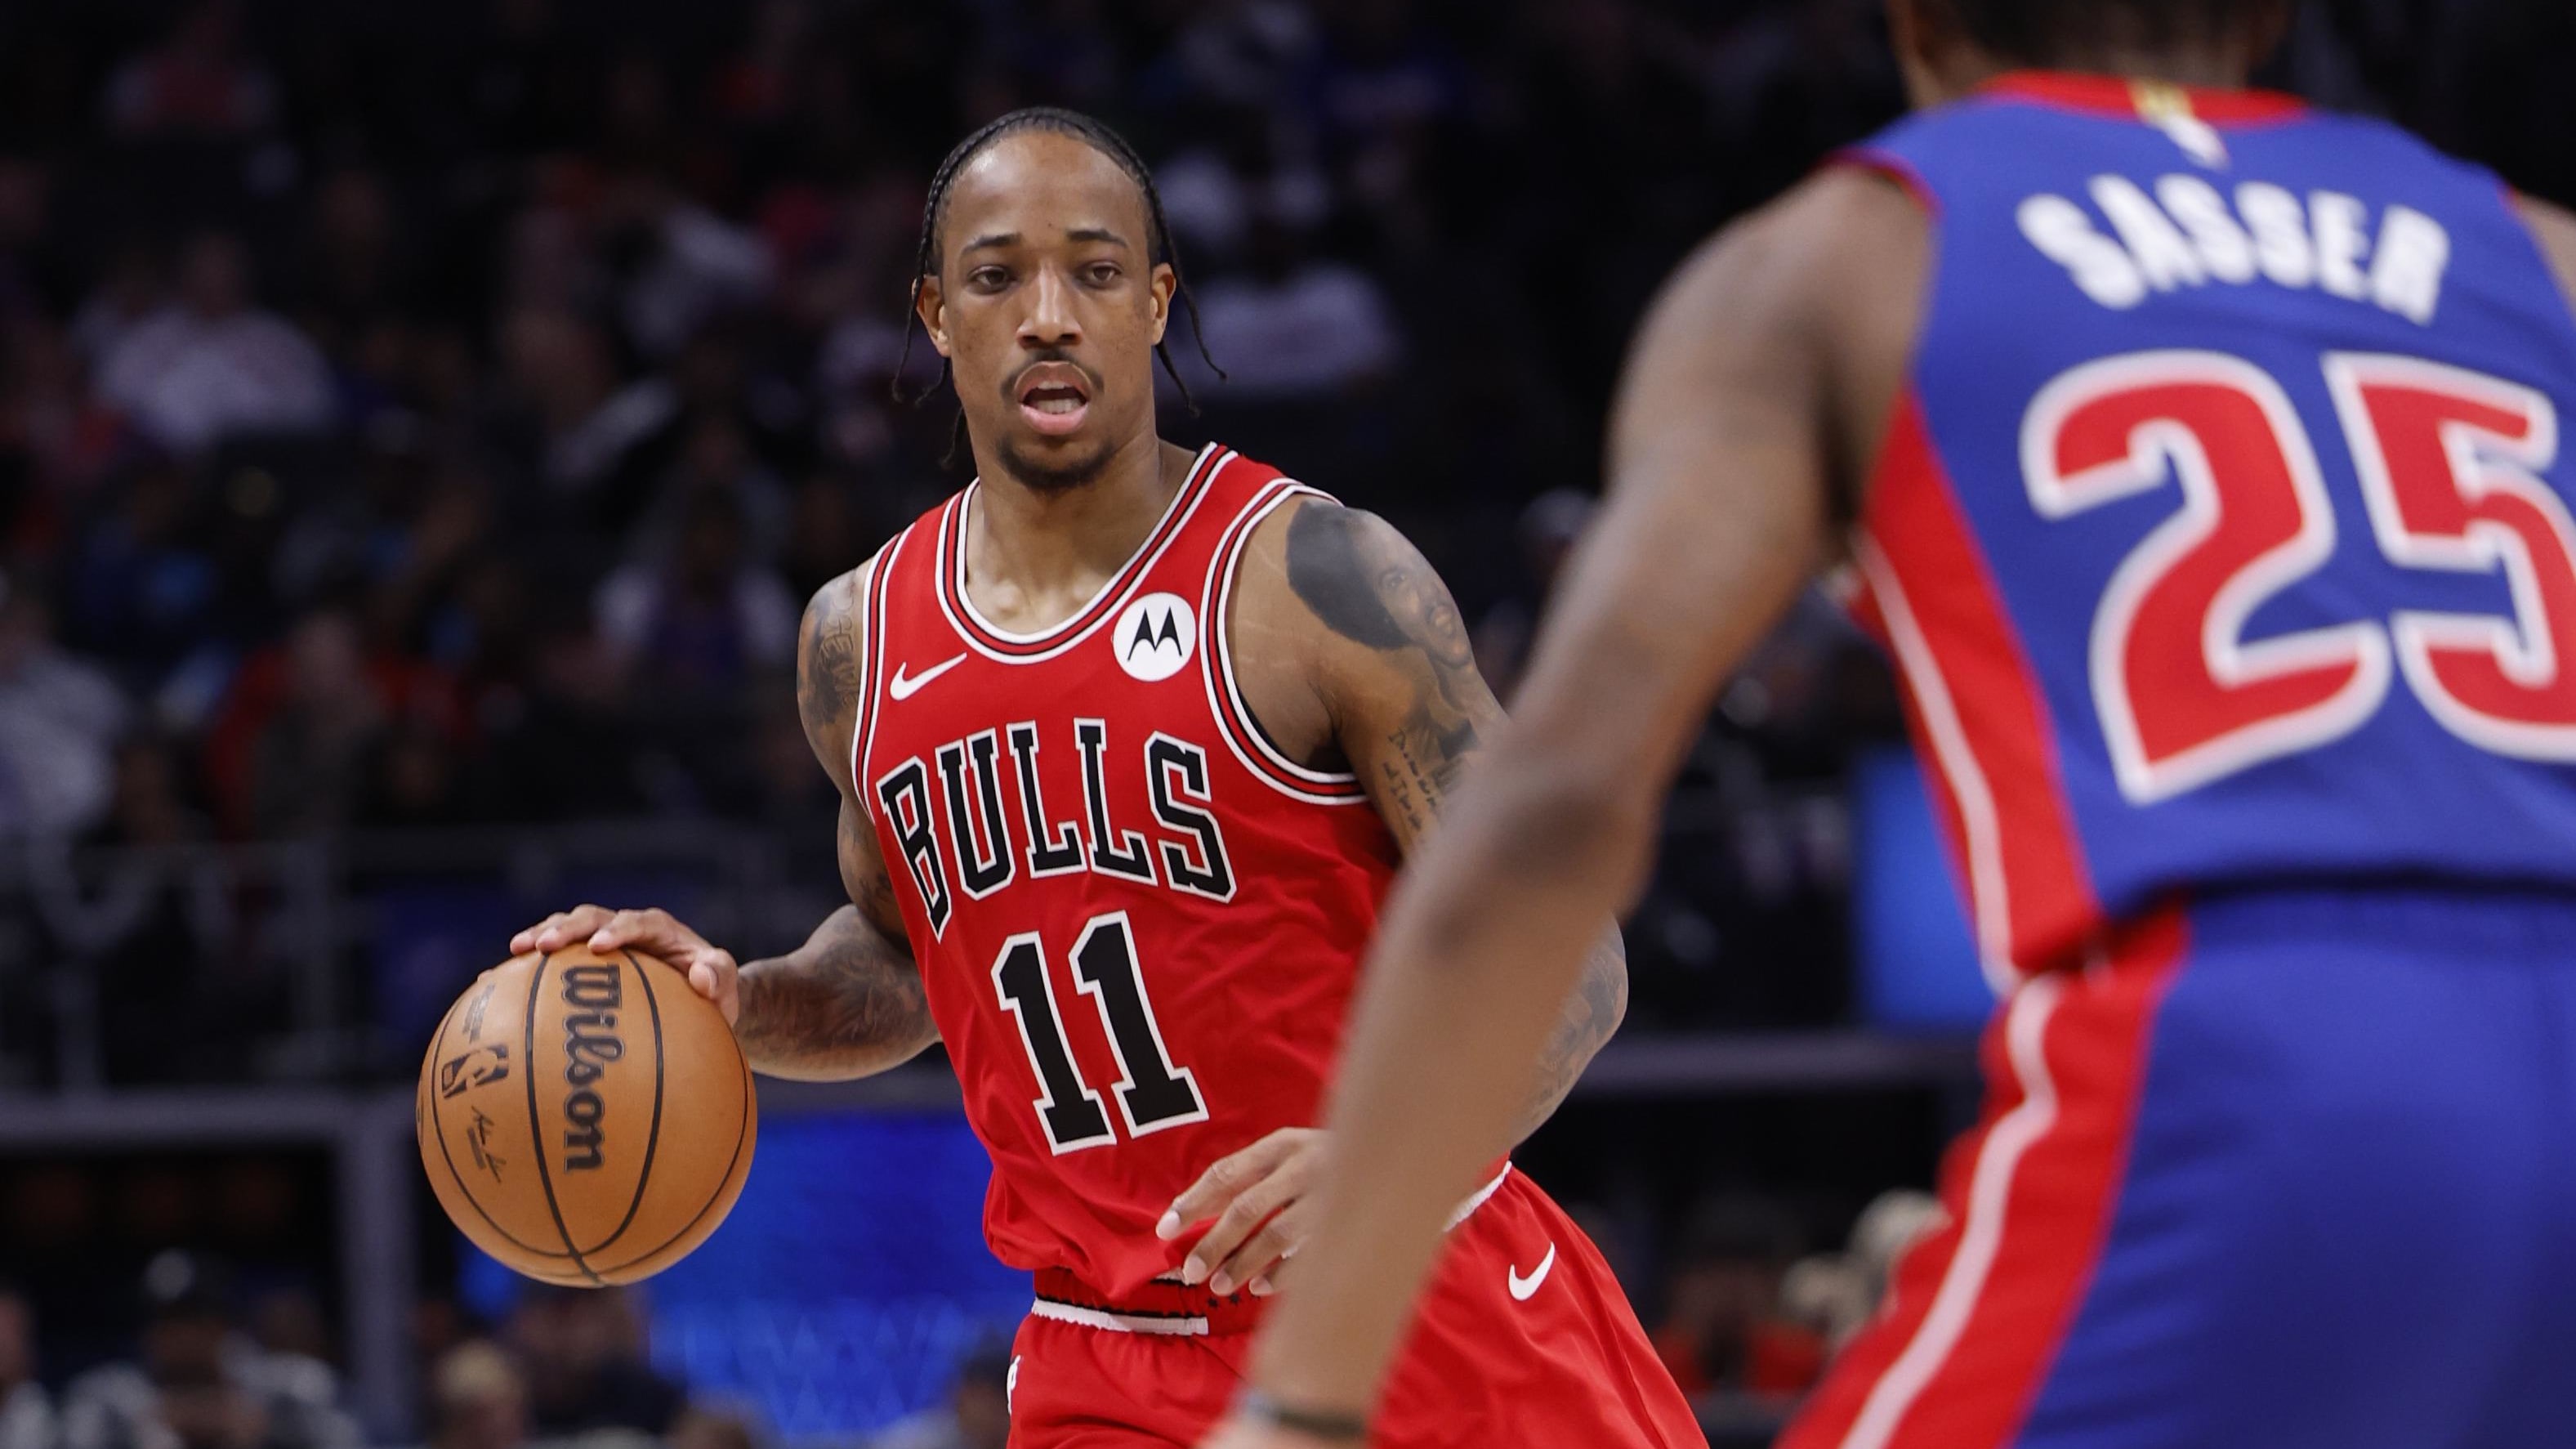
(742, 1135)
(653, 1136)
(545, 1179)
(439, 1124)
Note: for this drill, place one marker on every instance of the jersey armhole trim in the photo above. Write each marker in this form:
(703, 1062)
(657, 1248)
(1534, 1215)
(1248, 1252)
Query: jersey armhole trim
(879, 571)
(1234, 718)
(1889, 166)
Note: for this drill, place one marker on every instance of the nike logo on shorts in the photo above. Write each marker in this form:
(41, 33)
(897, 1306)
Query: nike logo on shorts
(1522, 1287)
(903, 689)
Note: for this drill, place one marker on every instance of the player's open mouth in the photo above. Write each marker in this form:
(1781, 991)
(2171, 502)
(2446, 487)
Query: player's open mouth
(1054, 398)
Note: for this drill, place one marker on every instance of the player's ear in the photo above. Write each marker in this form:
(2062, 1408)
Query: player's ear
(1931, 46)
(1158, 296)
(930, 304)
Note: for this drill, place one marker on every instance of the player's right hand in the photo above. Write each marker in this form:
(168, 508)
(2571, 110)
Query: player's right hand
(710, 969)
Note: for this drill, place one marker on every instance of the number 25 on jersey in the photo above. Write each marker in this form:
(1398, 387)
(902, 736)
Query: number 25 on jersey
(2449, 464)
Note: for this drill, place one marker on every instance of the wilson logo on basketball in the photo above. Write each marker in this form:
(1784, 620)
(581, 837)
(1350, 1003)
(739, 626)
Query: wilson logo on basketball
(591, 1042)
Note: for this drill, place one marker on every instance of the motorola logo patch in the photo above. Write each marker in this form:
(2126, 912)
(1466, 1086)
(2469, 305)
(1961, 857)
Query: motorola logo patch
(1155, 637)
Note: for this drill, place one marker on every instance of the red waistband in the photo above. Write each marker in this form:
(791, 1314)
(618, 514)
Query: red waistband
(1183, 1309)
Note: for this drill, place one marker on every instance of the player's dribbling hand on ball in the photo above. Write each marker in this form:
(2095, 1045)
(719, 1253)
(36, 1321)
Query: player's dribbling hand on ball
(710, 969)
(1258, 1198)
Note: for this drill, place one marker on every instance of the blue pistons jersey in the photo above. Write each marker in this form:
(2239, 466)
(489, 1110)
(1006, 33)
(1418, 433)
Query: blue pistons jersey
(2222, 536)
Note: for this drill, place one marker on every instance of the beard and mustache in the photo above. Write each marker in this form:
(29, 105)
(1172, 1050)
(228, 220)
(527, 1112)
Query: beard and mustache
(1056, 472)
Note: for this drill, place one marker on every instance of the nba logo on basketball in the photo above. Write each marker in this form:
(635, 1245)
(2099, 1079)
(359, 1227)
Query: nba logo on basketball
(474, 1069)
(1155, 637)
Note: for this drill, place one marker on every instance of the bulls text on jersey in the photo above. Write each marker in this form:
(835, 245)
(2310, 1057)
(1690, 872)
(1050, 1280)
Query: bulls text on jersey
(960, 830)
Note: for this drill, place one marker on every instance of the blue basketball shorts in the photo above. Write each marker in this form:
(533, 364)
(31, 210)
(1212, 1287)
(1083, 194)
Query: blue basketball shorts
(2288, 1169)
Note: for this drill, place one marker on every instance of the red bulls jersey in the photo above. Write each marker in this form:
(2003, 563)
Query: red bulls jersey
(1138, 924)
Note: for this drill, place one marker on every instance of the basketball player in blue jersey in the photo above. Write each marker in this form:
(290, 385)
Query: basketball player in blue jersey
(2199, 458)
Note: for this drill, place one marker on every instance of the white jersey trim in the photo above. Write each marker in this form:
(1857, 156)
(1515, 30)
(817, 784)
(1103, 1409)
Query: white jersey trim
(878, 572)
(1117, 1322)
(950, 562)
(1197, 1327)
(1216, 659)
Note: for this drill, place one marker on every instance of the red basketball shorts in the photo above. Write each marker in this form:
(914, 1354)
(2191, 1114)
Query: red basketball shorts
(1524, 1339)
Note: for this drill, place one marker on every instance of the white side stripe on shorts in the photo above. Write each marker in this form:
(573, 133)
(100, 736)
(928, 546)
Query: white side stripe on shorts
(1198, 1327)
(1981, 1237)
(1117, 1322)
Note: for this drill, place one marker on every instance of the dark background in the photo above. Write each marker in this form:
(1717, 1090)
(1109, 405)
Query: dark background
(420, 424)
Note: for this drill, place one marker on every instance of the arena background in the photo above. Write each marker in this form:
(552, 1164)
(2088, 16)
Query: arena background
(419, 426)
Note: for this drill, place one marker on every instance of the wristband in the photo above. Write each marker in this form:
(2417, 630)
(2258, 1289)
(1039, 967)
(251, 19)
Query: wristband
(1330, 1425)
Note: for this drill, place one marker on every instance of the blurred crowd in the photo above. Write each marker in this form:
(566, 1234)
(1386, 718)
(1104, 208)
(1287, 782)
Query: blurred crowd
(435, 416)
(432, 417)
(565, 1369)
(1747, 1323)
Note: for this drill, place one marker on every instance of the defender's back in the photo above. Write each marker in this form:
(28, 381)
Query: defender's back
(2222, 535)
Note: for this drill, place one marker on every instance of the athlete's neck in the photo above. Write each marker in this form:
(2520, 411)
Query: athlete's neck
(1035, 556)
(2224, 67)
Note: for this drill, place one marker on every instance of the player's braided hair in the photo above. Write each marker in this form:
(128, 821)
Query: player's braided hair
(2049, 32)
(1158, 247)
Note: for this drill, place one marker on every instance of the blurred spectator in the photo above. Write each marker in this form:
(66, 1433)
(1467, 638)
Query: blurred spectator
(141, 589)
(1549, 528)
(213, 364)
(200, 1384)
(977, 1415)
(1723, 1328)
(197, 83)
(709, 618)
(715, 1426)
(26, 1411)
(477, 1400)
(716, 458)
(1292, 326)
(59, 721)
(583, 1351)
(589, 429)
(309, 761)
(567, 749)
(1837, 1294)
(61, 438)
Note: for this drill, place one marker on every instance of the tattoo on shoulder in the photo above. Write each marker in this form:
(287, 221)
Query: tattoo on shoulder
(829, 674)
(1370, 586)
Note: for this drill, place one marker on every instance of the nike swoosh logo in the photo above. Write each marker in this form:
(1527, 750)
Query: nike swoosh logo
(1522, 1287)
(903, 689)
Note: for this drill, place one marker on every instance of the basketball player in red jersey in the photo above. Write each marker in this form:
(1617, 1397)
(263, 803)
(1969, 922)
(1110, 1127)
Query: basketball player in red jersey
(1130, 741)
(2249, 1243)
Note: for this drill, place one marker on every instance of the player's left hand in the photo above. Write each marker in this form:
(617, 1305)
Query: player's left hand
(1258, 1198)
(1238, 1432)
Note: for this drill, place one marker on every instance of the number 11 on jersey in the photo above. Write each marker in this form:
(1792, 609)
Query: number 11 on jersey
(1152, 1093)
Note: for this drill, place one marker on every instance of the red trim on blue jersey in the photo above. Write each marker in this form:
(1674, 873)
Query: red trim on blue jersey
(1894, 168)
(1981, 719)
(952, 568)
(1977, 1310)
(2111, 95)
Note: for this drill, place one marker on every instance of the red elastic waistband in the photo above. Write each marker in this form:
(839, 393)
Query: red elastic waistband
(1237, 1312)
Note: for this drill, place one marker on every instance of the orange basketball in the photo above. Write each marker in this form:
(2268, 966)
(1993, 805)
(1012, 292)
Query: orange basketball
(585, 1119)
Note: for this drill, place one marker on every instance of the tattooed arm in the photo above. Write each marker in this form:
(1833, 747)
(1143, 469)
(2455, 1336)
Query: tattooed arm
(1363, 665)
(1392, 693)
(847, 1003)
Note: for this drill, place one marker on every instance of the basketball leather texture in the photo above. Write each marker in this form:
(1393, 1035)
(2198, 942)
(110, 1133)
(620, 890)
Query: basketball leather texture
(585, 1119)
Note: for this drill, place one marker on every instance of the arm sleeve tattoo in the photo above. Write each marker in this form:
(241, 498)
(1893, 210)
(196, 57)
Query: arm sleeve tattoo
(849, 1001)
(1412, 720)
